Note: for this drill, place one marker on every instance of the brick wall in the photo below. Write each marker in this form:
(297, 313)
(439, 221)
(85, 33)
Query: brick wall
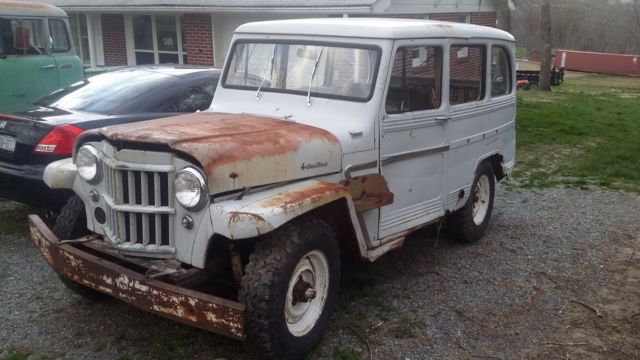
(478, 18)
(484, 18)
(198, 39)
(115, 51)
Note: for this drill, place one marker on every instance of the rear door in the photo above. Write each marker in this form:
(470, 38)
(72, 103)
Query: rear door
(69, 66)
(27, 71)
(414, 136)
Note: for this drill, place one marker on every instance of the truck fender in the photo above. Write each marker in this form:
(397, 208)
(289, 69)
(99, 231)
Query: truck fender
(60, 174)
(263, 212)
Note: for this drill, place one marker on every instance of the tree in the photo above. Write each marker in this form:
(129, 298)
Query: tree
(545, 64)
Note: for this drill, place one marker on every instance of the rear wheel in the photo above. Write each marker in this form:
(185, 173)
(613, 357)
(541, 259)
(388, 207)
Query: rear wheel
(290, 288)
(72, 224)
(469, 223)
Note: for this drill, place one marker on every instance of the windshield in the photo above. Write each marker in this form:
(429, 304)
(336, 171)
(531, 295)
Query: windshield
(105, 93)
(324, 70)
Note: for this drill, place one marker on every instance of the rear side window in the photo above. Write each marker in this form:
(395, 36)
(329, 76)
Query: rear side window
(59, 35)
(500, 72)
(416, 80)
(467, 73)
(20, 37)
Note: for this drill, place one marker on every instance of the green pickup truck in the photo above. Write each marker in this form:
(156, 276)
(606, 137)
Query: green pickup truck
(37, 55)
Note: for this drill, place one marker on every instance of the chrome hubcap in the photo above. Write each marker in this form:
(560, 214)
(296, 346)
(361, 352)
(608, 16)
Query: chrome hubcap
(307, 293)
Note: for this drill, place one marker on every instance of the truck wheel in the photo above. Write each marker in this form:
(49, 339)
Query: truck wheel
(72, 224)
(469, 223)
(72, 221)
(290, 288)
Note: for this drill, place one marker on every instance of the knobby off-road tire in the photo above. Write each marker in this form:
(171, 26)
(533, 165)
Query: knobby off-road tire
(277, 325)
(469, 223)
(71, 224)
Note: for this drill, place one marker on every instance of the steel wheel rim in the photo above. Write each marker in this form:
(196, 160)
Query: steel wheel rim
(301, 317)
(481, 195)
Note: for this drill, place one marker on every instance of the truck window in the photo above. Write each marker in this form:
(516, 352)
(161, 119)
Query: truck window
(22, 37)
(500, 72)
(466, 69)
(416, 80)
(59, 35)
(343, 72)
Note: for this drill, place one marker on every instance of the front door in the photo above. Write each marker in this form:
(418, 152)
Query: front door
(68, 65)
(26, 70)
(414, 137)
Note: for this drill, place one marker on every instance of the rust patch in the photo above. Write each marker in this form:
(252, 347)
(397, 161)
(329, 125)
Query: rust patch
(292, 199)
(190, 307)
(238, 216)
(368, 191)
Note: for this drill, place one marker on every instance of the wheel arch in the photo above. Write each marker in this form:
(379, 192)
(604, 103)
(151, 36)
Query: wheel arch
(262, 213)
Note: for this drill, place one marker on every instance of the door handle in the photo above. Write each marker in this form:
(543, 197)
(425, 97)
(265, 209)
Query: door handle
(51, 66)
(66, 66)
(442, 118)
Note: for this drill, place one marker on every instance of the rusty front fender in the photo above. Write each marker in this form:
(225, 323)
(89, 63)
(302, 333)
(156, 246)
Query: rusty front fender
(262, 212)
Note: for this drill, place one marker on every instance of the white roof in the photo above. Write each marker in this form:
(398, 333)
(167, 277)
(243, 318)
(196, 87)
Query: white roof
(27, 8)
(384, 28)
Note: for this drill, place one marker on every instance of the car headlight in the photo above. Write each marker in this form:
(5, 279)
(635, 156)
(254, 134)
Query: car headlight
(191, 189)
(88, 164)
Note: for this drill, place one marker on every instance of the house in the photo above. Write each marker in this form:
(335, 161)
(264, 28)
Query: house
(134, 32)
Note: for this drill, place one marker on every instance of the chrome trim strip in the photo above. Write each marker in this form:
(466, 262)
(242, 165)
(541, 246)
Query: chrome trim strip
(358, 167)
(414, 153)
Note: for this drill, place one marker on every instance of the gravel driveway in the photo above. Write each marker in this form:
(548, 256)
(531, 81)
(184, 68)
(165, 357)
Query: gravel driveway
(556, 277)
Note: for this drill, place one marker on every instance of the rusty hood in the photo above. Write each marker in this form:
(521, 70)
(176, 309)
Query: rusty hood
(238, 151)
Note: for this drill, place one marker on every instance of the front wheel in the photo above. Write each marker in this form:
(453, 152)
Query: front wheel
(290, 288)
(469, 223)
(71, 223)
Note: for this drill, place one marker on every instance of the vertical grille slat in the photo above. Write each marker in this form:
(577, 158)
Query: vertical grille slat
(139, 188)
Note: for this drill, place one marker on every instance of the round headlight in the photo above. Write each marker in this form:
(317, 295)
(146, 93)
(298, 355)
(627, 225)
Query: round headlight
(190, 188)
(88, 164)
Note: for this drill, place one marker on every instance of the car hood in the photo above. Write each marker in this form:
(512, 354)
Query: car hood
(237, 151)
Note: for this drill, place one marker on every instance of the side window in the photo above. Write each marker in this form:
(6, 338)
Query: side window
(467, 73)
(22, 37)
(500, 72)
(59, 34)
(416, 80)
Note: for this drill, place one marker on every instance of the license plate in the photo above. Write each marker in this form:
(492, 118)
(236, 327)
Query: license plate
(7, 143)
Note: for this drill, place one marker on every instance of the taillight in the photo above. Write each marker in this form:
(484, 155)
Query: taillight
(59, 141)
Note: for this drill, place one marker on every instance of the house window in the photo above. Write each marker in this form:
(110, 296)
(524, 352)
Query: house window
(157, 39)
(80, 35)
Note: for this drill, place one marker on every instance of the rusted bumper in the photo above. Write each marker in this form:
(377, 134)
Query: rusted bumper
(187, 306)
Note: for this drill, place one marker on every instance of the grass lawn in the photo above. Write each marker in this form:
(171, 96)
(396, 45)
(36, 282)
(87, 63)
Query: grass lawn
(584, 132)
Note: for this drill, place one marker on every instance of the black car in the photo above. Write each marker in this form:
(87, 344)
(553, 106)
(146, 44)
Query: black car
(31, 138)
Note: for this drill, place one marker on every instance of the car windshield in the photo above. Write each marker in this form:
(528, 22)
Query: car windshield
(105, 93)
(319, 70)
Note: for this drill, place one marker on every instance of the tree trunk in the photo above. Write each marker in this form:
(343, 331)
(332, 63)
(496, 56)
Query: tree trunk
(545, 64)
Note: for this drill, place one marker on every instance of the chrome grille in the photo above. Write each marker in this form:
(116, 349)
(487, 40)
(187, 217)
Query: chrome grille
(140, 207)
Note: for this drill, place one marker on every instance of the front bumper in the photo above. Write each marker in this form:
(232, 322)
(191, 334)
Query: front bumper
(187, 306)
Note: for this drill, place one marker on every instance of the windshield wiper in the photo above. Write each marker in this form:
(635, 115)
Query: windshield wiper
(264, 78)
(313, 73)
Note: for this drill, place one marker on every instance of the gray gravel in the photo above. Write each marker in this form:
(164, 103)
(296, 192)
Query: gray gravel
(529, 289)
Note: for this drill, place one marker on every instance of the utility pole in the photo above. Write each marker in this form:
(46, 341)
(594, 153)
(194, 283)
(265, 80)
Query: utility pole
(545, 64)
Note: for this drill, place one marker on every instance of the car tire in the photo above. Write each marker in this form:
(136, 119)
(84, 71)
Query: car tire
(290, 288)
(71, 223)
(469, 223)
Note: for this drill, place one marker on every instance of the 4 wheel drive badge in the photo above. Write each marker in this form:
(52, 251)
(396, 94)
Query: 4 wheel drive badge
(3, 124)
